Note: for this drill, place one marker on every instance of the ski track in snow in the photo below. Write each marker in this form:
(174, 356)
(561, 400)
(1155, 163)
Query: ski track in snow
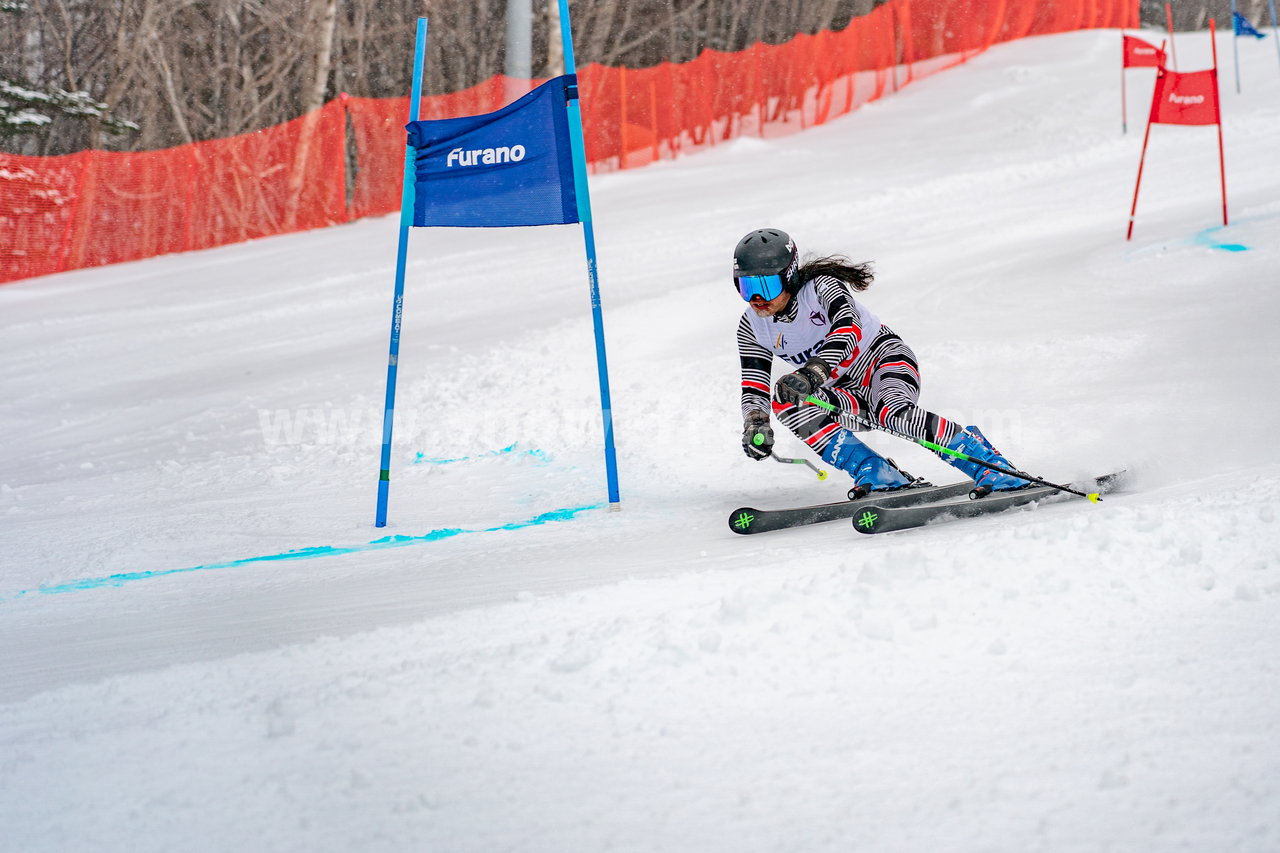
(205, 644)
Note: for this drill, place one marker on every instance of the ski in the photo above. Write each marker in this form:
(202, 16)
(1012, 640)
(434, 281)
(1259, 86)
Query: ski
(747, 519)
(881, 517)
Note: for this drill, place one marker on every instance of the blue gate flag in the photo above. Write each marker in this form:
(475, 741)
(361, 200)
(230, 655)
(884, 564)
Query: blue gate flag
(1244, 28)
(510, 167)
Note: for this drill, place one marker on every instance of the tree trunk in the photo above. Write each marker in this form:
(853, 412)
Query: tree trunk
(311, 105)
(555, 47)
(323, 57)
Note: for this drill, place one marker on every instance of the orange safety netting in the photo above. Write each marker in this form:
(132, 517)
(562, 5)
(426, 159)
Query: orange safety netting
(98, 207)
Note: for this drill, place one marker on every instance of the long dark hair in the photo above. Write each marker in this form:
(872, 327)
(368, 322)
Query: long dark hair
(857, 276)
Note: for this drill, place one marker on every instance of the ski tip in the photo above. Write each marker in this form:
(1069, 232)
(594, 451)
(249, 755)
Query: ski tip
(1095, 497)
(741, 519)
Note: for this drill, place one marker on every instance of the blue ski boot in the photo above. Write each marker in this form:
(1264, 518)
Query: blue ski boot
(971, 442)
(870, 471)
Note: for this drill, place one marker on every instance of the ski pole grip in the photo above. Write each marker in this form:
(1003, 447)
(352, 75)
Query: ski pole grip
(758, 439)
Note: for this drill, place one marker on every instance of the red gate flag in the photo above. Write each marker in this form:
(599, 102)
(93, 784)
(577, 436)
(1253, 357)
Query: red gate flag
(1189, 97)
(1135, 53)
(1186, 97)
(1141, 54)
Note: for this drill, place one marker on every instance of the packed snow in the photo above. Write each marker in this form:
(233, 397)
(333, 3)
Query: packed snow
(205, 644)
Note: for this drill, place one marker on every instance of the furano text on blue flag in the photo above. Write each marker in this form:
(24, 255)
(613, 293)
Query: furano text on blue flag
(505, 168)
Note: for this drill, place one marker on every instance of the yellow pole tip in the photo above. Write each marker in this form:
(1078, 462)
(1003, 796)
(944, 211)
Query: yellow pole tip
(822, 475)
(1094, 497)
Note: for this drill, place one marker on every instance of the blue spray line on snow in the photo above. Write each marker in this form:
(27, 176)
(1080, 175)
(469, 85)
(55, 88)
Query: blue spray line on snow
(1206, 238)
(397, 541)
(512, 449)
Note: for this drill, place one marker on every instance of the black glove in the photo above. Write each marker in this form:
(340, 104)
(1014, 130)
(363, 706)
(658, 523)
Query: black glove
(795, 387)
(757, 436)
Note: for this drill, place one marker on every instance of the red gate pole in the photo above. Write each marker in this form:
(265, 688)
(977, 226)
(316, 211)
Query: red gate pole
(1124, 110)
(1217, 109)
(1141, 160)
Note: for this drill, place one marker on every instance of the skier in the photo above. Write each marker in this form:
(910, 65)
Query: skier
(807, 315)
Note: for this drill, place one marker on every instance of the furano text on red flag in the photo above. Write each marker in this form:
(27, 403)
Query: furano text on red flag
(1185, 97)
(1141, 54)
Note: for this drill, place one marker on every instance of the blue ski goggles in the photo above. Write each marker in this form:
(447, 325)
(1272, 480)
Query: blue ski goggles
(767, 287)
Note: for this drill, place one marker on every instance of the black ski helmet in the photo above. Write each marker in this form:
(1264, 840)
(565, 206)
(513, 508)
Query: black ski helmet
(767, 251)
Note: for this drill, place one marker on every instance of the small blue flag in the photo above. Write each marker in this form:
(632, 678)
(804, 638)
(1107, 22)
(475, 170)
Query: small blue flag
(1244, 28)
(510, 167)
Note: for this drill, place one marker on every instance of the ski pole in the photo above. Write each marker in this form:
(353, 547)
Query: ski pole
(938, 448)
(759, 440)
(822, 475)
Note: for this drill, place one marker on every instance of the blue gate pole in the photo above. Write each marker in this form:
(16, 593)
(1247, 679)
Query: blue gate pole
(397, 311)
(589, 238)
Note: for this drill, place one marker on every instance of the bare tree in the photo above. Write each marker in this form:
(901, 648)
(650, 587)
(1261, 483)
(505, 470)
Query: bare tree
(188, 70)
(1195, 14)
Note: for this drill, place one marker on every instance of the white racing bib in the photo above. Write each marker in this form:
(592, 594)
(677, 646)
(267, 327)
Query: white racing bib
(798, 340)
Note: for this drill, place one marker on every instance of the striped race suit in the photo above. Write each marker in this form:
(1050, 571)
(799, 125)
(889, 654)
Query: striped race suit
(874, 374)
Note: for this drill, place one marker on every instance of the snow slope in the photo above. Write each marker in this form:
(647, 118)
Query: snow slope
(205, 644)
